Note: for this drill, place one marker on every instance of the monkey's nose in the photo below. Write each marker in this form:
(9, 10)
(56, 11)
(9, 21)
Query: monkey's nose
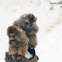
(11, 36)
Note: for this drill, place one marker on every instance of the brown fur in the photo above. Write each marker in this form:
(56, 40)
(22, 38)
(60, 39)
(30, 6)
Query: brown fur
(33, 40)
(20, 45)
(31, 31)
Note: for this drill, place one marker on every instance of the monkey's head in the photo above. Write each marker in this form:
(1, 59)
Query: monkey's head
(27, 20)
(12, 33)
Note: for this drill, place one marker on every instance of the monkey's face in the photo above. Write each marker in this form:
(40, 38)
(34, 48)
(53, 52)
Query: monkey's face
(27, 20)
(28, 24)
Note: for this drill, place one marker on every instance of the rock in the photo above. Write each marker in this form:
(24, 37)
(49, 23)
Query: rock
(8, 58)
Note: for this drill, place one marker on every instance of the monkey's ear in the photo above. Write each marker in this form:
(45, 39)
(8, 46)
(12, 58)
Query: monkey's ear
(16, 23)
(35, 19)
(32, 17)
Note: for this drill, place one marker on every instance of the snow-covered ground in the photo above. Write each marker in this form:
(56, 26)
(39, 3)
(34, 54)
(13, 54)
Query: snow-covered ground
(49, 47)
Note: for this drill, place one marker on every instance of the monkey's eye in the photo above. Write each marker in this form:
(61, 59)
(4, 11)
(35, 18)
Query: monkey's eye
(12, 36)
(8, 35)
(27, 22)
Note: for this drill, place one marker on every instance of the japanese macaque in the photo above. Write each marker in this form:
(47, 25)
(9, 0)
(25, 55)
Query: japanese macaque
(28, 23)
(18, 42)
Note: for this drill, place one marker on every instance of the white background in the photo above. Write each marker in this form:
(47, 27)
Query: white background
(49, 48)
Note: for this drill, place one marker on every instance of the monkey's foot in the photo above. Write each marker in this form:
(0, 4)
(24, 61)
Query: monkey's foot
(19, 57)
(13, 57)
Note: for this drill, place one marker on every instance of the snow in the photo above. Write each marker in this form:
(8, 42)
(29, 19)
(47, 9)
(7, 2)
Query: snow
(28, 55)
(49, 48)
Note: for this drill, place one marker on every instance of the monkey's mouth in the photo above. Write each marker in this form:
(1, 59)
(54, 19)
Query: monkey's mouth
(28, 24)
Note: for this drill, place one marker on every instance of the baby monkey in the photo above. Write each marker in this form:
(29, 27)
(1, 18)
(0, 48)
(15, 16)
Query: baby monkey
(18, 42)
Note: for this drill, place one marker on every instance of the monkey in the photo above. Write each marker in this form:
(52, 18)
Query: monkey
(28, 23)
(18, 42)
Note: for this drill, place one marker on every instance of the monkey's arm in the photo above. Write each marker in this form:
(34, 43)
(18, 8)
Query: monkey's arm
(22, 44)
(12, 50)
(23, 40)
(32, 41)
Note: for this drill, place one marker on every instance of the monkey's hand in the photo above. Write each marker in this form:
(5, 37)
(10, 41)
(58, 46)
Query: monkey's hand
(31, 32)
(20, 57)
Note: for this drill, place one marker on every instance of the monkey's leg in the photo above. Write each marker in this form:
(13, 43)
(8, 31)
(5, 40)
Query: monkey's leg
(13, 51)
(21, 52)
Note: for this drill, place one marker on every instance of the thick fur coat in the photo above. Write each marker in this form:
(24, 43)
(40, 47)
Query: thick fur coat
(28, 23)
